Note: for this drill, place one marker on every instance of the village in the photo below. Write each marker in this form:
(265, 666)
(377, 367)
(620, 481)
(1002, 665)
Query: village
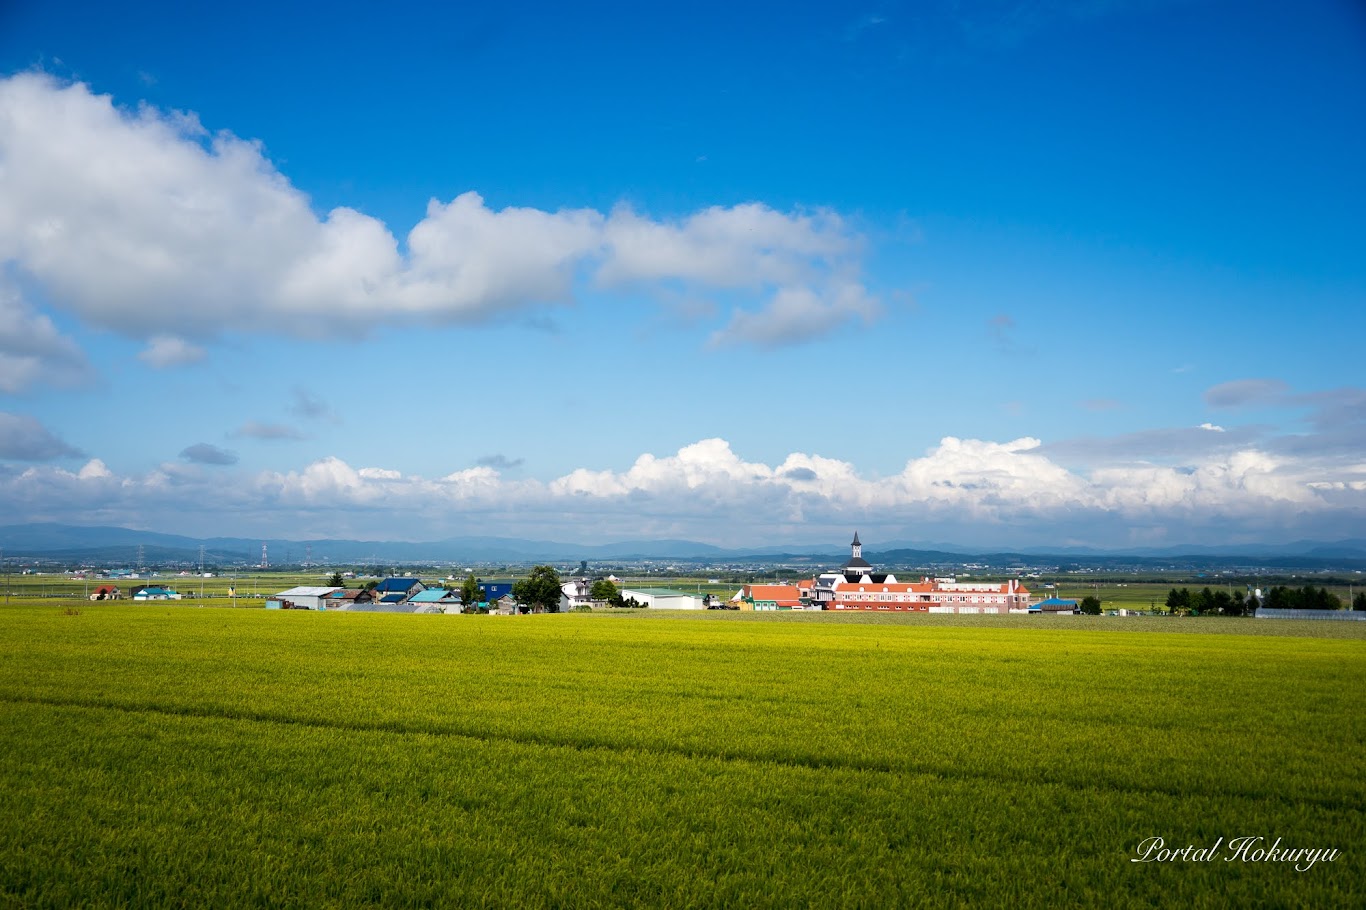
(857, 585)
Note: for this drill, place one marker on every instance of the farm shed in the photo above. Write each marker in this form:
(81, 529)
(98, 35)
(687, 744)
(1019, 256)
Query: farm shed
(381, 607)
(342, 598)
(307, 598)
(106, 592)
(665, 598)
(770, 597)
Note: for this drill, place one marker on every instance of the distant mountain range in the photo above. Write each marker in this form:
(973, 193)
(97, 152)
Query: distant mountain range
(111, 545)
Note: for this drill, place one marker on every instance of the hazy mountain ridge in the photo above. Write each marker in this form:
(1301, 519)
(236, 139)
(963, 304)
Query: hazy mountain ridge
(113, 543)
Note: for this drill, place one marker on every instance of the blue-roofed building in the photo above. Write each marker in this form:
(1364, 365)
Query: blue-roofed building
(156, 592)
(405, 587)
(437, 596)
(495, 590)
(395, 598)
(1054, 605)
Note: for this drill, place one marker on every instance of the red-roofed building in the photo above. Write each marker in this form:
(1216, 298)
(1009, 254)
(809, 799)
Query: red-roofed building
(771, 597)
(859, 587)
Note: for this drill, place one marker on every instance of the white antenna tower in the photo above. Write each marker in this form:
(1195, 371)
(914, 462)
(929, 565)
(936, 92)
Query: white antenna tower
(142, 558)
(265, 560)
(201, 559)
(308, 556)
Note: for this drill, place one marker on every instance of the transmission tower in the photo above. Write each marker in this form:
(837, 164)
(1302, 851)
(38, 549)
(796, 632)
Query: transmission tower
(142, 559)
(201, 559)
(265, 560)
(308, 556)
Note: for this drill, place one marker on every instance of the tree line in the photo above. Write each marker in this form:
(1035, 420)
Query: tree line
(1282, 597)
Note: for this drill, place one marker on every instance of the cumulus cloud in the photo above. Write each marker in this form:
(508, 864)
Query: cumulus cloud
(707, 490)
(165, 351)
(23, 438)
(145, 223)
(32, 350)
(204, 453)
(254, 429)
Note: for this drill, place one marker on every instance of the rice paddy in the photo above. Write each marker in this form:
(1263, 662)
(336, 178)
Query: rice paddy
(168, 755)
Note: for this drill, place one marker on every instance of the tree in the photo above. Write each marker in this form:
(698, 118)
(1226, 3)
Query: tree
(602, 590)
(1202, 602)
(470, 592)
(1359, 602)
(1179, 600)
(1090, 605)
(1238, 607)
(539, 590)
(371, 585)
(1306, 598)
(336, 581)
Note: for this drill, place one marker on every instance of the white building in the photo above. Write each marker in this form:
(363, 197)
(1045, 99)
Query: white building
(575, 594)
(665, 598)
(308, 598)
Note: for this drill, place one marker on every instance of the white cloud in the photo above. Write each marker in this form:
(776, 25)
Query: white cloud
(146, 224)
(797, 314)
(94, 469)
(32, 350)
(961, 487)
(165, 351)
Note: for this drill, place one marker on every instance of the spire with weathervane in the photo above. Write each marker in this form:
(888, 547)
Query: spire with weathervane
(856, 565)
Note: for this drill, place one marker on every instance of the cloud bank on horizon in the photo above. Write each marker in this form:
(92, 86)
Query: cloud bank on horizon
(1010, 493)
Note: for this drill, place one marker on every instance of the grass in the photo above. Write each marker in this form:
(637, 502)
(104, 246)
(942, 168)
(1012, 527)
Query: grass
(167, 755)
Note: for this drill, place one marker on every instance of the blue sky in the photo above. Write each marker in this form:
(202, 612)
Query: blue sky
(983, 273)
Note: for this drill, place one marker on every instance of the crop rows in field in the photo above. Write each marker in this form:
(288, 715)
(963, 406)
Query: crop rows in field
(676, 762)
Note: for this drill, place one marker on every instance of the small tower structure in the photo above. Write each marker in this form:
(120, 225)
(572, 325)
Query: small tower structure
(857, 566)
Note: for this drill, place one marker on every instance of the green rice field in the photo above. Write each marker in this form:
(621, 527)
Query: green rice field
(173, 755)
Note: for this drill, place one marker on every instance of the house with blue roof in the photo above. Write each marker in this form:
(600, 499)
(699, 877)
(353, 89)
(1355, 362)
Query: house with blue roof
(156, 592)
(439, 596)
(436, 600)
(398, 590)
(1054, 605)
